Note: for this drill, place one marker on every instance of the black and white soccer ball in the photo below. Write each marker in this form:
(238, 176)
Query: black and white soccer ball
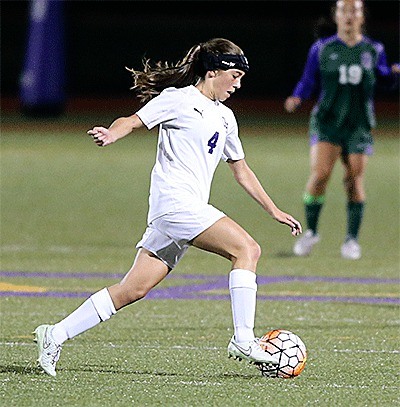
(290, 350)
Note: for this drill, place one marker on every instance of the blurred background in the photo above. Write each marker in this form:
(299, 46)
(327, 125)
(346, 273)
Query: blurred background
(61, 55)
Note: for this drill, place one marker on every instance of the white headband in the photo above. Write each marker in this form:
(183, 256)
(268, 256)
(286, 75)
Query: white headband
(358, 4)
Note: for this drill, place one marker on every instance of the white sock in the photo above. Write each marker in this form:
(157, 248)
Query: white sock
(243, 290)
(97, 308)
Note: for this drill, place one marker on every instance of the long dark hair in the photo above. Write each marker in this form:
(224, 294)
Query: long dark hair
(156, 77)
(324, 27)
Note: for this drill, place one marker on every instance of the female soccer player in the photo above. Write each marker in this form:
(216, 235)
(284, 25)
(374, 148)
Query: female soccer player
(344, 67)
(196, 130)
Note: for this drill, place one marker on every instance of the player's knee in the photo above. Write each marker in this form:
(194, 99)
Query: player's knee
(256, 250)
(321, 178)
(251, 251)
(348, 182)
(354, 181)
(129, 295)
(354, 188)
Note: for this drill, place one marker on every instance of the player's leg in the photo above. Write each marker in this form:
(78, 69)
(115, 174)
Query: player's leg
(354, 172)
(226, 238)
(323, 156)
(146, 272)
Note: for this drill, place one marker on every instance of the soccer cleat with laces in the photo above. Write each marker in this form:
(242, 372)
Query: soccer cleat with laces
(351, 250)
(49, 350)
(250, 351)
(305, 243)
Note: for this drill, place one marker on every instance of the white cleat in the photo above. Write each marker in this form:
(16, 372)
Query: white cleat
(305, 243)
(250, 351)
(49, 350)
(351, 250)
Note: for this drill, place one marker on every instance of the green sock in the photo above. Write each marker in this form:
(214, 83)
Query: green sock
(355, 212)
(313, 206)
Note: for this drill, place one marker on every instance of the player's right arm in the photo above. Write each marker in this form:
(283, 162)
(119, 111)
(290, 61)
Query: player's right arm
(120, 128)
(292, 103)
(308, 81)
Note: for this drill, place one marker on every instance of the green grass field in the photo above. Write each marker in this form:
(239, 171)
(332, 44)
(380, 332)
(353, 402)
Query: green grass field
(71, 214)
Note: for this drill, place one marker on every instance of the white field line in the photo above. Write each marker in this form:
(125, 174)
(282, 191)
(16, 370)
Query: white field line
(207, 348)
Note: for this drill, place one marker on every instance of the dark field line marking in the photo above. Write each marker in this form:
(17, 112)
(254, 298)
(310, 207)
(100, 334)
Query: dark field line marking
(260, 279)
(159, 295)
(198, 291)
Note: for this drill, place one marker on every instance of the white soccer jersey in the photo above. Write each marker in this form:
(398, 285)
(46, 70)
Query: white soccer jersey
(195, 134)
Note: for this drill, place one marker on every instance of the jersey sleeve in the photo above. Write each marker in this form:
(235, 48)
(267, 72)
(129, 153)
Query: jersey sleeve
(160, 109)
(308, 82)
(233, 149)
(386, 78)
(382, 66)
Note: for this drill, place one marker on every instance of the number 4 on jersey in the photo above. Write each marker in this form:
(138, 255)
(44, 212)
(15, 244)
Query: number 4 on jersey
(212, 143)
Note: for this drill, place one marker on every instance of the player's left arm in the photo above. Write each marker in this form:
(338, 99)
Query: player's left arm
(396, 68)
(247, 179)
(388, 76)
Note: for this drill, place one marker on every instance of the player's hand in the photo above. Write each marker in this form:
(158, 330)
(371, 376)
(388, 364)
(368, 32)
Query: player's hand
(102, 136)
(292, 103)
(289, 220)
(396, 68)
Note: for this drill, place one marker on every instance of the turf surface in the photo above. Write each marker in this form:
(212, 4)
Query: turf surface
(71, 214)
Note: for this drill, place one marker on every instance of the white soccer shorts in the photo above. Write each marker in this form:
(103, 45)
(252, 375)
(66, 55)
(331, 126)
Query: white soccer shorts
(169, 236)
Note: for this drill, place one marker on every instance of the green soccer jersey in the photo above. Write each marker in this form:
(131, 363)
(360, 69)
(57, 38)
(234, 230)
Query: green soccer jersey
(346, 77)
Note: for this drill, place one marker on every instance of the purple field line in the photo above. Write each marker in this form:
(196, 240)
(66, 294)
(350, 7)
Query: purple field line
(312, 298)
(260, 279)
(163, 294)
(46, 294)
(44, 274)
(354, 280)
(210, 282)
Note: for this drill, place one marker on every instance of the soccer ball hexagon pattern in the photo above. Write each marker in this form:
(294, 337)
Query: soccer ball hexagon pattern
(289, 348)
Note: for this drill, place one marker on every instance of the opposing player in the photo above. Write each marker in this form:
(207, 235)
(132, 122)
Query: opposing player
(344, 68)
(196, 131)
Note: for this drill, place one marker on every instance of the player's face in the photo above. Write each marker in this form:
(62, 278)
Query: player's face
(226, 83)
(349, 15)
